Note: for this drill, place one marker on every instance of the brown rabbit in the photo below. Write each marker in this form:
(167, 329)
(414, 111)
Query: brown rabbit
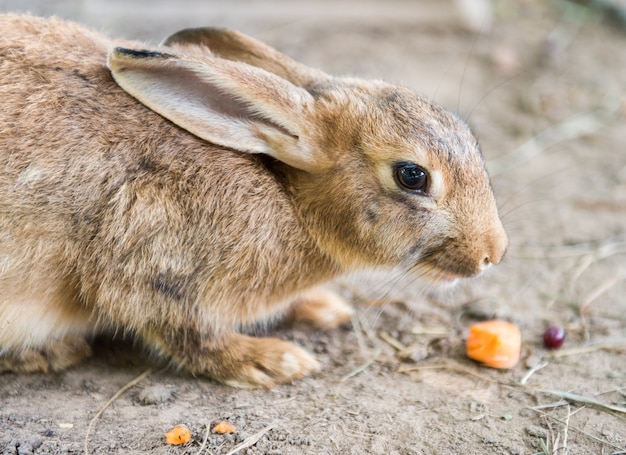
(186, 192)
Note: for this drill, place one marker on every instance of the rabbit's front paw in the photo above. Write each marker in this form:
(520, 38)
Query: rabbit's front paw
(322, 309)
(249, 362)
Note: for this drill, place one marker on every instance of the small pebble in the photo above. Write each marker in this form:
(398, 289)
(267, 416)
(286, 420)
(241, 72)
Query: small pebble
(241, 436)
(537, 432)
(35, 442)
(481, 309)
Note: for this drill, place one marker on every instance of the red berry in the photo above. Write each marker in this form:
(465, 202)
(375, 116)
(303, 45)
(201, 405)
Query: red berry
(554, 337)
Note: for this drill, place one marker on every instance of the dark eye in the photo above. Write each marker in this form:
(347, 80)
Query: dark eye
(411, 177)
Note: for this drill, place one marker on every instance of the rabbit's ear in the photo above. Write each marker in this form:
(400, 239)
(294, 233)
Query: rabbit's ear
(232, 45)
(227, 103)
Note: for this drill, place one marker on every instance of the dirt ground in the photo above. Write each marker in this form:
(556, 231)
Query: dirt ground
(544, 89)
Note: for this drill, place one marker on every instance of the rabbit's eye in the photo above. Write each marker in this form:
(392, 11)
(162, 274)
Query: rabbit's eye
(411, 177)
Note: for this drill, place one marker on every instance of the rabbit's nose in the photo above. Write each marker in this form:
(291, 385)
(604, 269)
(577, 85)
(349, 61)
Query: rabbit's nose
(497, 246)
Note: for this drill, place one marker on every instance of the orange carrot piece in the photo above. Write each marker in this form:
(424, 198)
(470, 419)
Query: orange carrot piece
(495, 343)
(223, 427)
(180, 434)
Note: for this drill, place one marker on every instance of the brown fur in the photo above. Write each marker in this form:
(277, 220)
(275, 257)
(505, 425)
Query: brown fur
(114, 216)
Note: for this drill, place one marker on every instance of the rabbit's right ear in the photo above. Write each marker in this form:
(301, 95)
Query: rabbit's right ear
(236, 46)
(227, 103)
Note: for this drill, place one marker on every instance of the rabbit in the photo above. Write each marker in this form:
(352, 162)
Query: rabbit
(185, 192)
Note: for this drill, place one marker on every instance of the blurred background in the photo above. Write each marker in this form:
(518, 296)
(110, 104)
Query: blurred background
(543, 85)
(366, 37)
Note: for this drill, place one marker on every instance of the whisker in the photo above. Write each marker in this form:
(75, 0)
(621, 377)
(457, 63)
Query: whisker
(491, 90)
(433, 98)
(527, 186)
(467, 60)
(391, 281)
(400, 276)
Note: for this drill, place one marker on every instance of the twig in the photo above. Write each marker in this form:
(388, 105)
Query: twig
(363, 367)
(251, 440)
(585, 400)
(566, 428)
(449, 366)
(558, 404)
(408, 369)
(603, 251)
(532, 371)
(356, 326)
(588, 300)
(368, 331)
(132, 383)
(555, 443)
(430, 331)
(550, 432)
(391, 341)
(204, 441)
(584, 349)
(578, 430)
(598, 291)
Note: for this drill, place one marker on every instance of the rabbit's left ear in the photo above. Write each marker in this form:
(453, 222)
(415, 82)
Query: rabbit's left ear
(227, 103)
(236, 46)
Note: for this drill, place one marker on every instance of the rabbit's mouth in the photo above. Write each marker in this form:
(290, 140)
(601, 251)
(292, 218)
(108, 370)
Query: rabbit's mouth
(449, 267)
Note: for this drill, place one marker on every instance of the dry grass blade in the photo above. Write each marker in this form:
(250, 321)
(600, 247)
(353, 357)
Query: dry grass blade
(132, 383)
(604, 251)
(577, 430)
(566, 428)
(358, 332)
(532, 371)
(430, 331)
(598, 291)
(591, 297)
(451, 367)
(585, 349)
(391, 341)
(584, 400)
(204, 441)
(558, 404)
(363, 367)
(251, 440)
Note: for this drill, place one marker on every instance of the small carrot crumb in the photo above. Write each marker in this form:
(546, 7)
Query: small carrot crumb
(223, 427)
(495, 343)
(178, 435)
